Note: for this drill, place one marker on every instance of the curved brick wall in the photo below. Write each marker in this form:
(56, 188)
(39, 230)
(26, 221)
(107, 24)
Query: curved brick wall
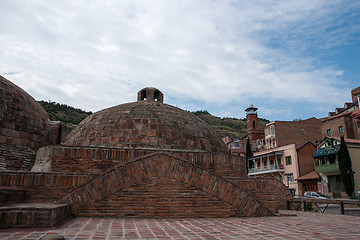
(24, 127)
(146, 124)
(160, 185)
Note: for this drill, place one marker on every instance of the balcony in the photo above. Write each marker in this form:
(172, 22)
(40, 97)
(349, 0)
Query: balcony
(327, 168)
(266, 169)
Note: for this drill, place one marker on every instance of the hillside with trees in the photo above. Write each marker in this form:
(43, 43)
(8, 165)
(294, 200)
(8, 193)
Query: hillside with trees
(63, 112)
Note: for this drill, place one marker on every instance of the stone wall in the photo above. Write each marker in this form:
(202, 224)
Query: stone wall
(45, 187)
(268, 190)
(9, 196)
(16, 157)
(97, 160)
(32, 215)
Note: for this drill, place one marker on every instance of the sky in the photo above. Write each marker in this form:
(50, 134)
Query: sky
(290, 59)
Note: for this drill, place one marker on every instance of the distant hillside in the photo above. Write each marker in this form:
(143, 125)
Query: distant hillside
(63, 112)
(232, 127)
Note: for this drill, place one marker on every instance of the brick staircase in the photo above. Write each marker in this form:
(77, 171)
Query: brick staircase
(161, 185)
(159, 198)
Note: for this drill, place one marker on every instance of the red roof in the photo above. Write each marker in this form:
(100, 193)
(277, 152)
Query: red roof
(355, 113)
(300, 145)
(340, 115)
(347, 140)
(308, 176)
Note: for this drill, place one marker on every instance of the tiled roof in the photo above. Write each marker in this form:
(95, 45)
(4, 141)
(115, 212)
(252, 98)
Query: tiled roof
(325, 152)
(300, 145)
(339, 115)
(308, 176)
(347, 140)
(355, 113)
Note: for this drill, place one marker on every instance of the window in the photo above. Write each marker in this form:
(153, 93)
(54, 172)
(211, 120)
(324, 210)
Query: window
(235, 144)
(272, 129)
(272, 162)
(332, 159)
(328, 132)
(143, 95)
(156, 95)
(290, 178)
(288, 160)
(302, 131)
(292, 191)
(341, 129)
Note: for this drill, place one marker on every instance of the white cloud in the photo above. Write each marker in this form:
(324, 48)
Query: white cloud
(95, 54)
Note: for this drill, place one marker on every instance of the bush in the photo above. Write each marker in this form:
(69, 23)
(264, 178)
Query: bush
(309, 207)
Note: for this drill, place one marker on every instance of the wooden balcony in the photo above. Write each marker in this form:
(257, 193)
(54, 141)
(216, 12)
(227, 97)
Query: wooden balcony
(327, 168)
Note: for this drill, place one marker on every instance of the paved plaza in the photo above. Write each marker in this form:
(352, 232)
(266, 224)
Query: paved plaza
(304, 225)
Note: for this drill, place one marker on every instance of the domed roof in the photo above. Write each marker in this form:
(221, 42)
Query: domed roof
(147, 123)
(24, 127)
(23, 121)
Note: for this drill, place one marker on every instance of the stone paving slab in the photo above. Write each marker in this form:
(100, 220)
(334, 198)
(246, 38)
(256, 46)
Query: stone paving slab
(304, 225)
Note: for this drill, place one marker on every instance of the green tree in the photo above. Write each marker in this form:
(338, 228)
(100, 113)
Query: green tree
(346, 172)
(248, 154)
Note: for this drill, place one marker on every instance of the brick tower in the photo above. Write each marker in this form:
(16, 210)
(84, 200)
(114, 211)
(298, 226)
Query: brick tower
(252, 123)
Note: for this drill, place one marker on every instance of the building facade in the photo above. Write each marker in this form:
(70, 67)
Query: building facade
(344, 121)
(286, 163)
(279, 133)
(327, 165)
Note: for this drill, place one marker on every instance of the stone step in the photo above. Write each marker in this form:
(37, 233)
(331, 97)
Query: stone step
(33, 214)
(9, 196)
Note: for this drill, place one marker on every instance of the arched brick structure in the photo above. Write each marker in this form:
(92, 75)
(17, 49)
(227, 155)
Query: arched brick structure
(168, 168)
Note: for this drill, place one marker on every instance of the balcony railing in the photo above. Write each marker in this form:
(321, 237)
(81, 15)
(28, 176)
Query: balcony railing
(271, 168)
(327, 168)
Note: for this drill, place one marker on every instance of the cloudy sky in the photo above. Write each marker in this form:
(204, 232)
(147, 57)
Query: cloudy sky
(291, 59)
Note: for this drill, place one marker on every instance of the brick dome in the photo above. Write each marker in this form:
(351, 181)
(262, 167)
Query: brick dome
(147, 123)
(24, 126)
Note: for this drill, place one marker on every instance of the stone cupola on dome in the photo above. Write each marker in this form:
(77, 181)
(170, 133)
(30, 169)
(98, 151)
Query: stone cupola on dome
(150, 94)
